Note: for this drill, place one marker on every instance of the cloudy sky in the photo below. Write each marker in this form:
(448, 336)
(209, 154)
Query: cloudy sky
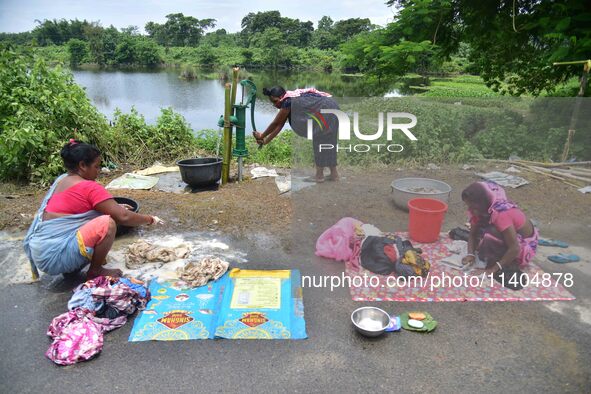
(20, 15)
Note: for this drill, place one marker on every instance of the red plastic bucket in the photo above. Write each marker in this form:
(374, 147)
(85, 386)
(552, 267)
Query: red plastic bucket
(425, 217)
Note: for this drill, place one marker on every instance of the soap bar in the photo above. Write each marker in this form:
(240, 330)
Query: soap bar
(415, 323)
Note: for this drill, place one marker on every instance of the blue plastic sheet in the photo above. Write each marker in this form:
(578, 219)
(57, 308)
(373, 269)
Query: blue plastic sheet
(242, 304)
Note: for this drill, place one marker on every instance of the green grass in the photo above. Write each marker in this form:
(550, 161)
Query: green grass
(569, 89)
(459, 86)
(277, 153)
(473, 86)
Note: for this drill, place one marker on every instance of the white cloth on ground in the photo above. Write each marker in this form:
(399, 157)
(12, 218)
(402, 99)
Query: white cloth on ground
(142, 252)
(199, 273)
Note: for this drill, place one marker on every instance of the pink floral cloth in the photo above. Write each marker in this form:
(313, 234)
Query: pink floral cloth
(336, 242)
(78, 334)
(75, 338)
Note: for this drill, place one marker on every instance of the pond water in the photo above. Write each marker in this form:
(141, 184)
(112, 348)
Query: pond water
(201, 100)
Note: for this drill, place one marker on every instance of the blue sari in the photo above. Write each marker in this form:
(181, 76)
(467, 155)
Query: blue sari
(53, 245)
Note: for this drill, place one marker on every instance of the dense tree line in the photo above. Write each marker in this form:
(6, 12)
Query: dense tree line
(187, 31)
(278, 36)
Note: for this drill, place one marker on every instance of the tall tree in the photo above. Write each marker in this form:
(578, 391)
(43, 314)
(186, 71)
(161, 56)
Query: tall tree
(96, 45)
(325, 23)
(78, 50)
(347, 28)
(258, 22)
(58, 32)
(297, 33)
(156, 32)
(293, 31)
(323, 37)
(273, 45)
(131, 30)
(179, 30)
(218, 38)
(329, 34)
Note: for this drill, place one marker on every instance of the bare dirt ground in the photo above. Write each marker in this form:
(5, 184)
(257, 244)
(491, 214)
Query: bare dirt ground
(233, 208)
(255, 205)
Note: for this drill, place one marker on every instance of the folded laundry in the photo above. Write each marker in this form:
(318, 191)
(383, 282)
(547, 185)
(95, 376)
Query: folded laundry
(157, 168)
(260, 172)
(142, 252)
(199, 273)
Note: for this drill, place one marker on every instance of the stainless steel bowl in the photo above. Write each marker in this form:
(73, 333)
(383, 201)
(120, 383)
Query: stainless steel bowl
(405, 189)
(370, 321)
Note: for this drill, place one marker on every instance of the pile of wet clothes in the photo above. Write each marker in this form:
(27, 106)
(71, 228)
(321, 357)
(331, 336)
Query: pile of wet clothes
(98, 306)
(143, 252)
(366, 245)
(197, 274)
(389, 254)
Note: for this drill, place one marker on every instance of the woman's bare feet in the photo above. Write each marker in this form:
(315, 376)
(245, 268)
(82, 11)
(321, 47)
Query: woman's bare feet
(93, 273)
(334, 175)
(314, 179)
(319, 178)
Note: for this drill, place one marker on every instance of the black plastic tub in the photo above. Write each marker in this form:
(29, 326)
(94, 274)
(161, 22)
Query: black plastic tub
(121, 229)
(201, 172)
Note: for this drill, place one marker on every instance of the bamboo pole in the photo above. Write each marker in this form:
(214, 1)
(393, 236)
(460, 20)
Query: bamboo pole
(540, 164)
(235, 71)
(561, 175)
(227, 153)
(571, 176)
(580, 171)
(573, 120)
(229, 111)
(529, 168)
(571, 63)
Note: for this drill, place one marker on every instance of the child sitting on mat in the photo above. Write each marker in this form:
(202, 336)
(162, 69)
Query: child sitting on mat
(500, 233)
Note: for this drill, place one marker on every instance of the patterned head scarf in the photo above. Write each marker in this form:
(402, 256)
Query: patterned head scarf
(497, 200)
